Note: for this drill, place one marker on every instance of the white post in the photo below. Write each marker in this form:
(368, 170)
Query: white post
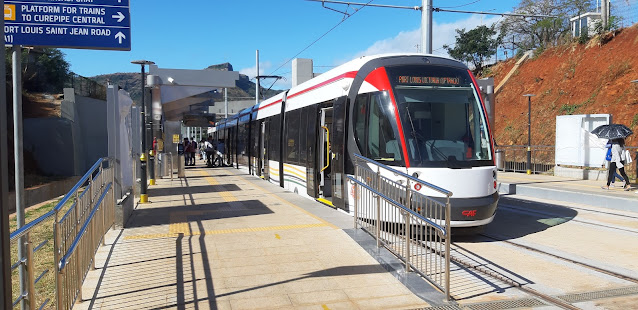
(257, 80)
(19, 162)
(426, 26)
(226, 102)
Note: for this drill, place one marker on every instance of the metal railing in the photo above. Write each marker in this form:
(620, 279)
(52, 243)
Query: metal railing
(514, 158)
(413, 226)
(78, 224)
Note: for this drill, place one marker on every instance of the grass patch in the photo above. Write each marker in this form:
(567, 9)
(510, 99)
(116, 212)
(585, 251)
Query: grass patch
(43, 258)
(569, 109)
(617, 70)
(634, 121)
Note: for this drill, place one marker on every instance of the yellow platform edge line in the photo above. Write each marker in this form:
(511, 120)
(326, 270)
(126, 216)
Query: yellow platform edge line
(227, 231)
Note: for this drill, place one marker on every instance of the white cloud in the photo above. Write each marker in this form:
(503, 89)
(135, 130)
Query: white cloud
(443, 34)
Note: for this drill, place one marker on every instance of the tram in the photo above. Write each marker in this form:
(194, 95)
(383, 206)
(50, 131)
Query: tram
(420, 114)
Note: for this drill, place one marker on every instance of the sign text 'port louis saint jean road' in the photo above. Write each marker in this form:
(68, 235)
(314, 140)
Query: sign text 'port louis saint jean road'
(90, 24)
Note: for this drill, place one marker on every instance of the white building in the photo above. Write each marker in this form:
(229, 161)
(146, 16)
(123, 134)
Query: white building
(586, 21)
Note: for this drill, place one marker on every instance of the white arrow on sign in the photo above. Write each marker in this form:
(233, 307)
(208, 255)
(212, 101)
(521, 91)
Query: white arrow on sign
(120, 36)
(119, 16)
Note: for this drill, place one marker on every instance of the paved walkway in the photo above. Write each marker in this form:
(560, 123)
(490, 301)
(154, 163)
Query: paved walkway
(220, 239)
(586, 192)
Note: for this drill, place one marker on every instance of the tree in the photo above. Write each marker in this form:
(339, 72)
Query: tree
(475, 46)
(43, 70)
(541, 32)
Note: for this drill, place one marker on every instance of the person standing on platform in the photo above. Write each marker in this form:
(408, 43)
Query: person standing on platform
(193, 151)
(187, 151)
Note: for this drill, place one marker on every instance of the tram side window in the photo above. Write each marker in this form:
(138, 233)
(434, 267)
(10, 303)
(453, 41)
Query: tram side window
(275, 136)
(303, 120)
(292, 137)
(382, 144)
(360, 114)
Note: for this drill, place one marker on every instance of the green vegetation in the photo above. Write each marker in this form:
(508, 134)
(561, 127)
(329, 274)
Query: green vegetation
(43, 70)
(617, 70)
(569, 109)
(634, 121)
(475, 46)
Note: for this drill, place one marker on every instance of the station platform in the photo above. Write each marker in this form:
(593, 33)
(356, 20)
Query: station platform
(222, 239)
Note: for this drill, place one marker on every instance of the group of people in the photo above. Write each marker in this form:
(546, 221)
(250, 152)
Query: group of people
(617, 157)
(213, 149)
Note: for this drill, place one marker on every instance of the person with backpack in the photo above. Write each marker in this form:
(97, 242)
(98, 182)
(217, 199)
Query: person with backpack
(617, 160)
(608, 159)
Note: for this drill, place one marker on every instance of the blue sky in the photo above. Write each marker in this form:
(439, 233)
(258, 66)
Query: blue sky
(194, 34)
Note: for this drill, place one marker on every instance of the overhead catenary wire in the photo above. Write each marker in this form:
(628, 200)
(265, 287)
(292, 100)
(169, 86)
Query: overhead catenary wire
(320, 37)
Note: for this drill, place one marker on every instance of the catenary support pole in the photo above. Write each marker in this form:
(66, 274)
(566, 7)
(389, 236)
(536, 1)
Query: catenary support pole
(225, 103)
(5, 253)
(16, 61)
(257, 79)
(426, 26)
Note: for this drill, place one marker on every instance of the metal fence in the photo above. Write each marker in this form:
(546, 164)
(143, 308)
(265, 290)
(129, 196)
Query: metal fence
(513, 158)
(77, 225)
(86, 87)
(415, 227)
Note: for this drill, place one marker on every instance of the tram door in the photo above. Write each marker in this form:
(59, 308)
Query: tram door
(324, 155)
(263, 149)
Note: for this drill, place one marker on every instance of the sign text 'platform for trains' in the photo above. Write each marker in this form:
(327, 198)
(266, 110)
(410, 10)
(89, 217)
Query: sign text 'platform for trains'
(96, 24)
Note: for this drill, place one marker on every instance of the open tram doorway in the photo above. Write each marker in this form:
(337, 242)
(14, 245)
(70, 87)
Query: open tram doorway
(331, 154)
(325, 156)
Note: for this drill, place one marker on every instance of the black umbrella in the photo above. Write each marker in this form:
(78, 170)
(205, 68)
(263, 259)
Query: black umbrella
(612, 131)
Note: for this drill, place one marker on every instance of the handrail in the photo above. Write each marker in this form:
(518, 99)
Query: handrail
(327, 148)
(398, 204)
(74, 244)
(430, 185)
(26, 228)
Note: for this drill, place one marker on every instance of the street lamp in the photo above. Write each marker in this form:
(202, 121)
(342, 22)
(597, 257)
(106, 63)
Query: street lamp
(143, 185)
(529, 132)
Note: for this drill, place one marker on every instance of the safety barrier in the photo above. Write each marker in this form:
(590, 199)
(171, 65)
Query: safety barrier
(514, 158)
(78, 224)
(413, 226)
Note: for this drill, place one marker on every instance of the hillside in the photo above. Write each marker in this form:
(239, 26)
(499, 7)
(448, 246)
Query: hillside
(592, 78)
(131, 83)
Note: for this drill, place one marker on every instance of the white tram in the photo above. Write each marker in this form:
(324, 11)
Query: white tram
(421, 114)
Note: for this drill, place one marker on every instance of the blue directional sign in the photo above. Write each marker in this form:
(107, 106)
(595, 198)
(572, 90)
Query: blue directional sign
(94, 24)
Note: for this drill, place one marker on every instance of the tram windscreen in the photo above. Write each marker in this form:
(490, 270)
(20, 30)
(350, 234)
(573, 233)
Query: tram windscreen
(442, 117)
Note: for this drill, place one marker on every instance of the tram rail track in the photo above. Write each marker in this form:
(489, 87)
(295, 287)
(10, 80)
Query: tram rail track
(566, 259)
(588, 222)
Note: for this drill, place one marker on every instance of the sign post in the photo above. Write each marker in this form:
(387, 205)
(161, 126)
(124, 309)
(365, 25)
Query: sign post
(98, 24)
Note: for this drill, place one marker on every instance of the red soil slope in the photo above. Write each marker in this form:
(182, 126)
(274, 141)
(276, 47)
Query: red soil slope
(570, 79)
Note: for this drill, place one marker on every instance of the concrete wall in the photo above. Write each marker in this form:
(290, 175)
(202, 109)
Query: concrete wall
(42, 193)
(70, 145)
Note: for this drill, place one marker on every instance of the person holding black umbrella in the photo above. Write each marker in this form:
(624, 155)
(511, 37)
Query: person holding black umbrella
(617, 161)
